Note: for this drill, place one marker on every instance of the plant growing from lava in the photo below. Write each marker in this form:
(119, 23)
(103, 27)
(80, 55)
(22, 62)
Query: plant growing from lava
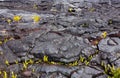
(36, 18)
(17, 18)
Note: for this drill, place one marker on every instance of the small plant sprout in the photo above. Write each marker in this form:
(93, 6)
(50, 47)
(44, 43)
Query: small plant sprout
(96, 51)
(38, 61)
(9, 21)
(86, 62)
(110, 22)
(52, 62)
(92, 9)
(36, 18)
(71, 10)
(111, 71)
(33, 70)
(17, 18)
(45, 58)
(116, 73)
(6, 62)
(73, 64)
(30, 61)
(24, 66)
(82, 59)
(105, 69)
(90, 57)
(16, 61)
(102, 63)
(5, 40)
(5, 74)
(13, 75)
(70, 64)
(35, 6)
(26, 62)
(85, 25)
(0, 72)
(104, 34)
(1, 42)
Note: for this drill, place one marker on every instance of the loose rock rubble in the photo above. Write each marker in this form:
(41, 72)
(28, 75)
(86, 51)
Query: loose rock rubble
(59, 38)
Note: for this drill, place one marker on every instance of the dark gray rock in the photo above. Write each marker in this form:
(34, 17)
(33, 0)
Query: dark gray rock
(8, 0)
(15, 67)
(75, 1)
(109, 45)
(52, 75)
(87, 72)
(17, 46)
(117, 62)
(61, 35)
(66, 21)
(65, 49)
(66, 71)
(115, 1)
(8, 54)
(87, 51)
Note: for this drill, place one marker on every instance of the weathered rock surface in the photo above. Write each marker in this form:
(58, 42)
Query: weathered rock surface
(110, 45)
(73, 39)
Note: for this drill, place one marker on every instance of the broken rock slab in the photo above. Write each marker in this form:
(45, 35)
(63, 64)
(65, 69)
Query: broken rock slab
(109, 44)
(65, 48)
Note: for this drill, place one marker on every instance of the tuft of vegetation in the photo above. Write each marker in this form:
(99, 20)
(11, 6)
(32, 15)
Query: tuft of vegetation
(85, 25)
(110, 21)
(116, 73)
(92, 9)
(35, 6)
(45, 58)
(104, 34)
(9, 21)
(5, 75)
(36, 18)
(110, 70)
(71, 10)
(17, 18)
(1, 42)
(13, 75)
(7, 62)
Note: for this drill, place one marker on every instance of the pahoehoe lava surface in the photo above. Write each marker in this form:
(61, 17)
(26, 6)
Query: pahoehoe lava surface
(70, 39)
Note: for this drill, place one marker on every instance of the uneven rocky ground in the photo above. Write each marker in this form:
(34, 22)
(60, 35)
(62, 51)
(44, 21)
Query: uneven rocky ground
(73, 39)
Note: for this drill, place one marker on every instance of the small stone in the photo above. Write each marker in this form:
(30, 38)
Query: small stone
(27, 73)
